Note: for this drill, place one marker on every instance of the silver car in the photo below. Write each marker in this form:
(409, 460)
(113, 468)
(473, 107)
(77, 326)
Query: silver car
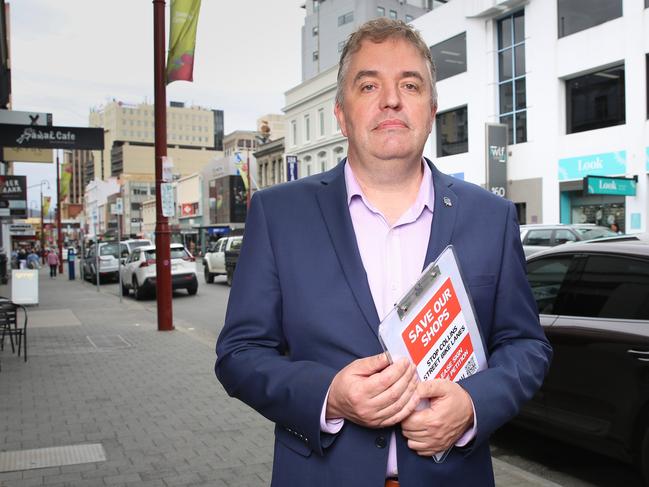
(107, 260)
(541, 237)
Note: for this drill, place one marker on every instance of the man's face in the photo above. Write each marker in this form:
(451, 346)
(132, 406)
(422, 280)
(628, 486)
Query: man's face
(387, 111)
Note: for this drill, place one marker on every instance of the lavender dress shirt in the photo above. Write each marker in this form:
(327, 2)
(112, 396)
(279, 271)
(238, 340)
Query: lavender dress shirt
(393, 257)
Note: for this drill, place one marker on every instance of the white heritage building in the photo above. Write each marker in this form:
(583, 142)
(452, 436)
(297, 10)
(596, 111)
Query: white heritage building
(569, 78)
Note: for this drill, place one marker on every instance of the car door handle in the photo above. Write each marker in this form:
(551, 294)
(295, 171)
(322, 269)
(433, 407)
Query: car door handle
(642, 355)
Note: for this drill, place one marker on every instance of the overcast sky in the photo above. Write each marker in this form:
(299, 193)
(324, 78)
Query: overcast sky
(70, 55)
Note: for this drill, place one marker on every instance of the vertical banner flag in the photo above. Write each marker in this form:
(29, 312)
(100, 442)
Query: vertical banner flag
(182, 40)
(47, 200)
(242, 166)
(66, 176)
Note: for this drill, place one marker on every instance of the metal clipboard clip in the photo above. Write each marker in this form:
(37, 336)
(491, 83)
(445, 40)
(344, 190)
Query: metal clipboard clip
(423, 284)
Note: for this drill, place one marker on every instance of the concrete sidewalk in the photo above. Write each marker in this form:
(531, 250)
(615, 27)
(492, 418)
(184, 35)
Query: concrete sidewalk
(100, 378)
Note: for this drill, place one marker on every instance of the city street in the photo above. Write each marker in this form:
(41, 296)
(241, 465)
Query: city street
(154, 404)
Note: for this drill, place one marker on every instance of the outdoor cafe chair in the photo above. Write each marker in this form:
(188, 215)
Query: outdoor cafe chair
(12, 327)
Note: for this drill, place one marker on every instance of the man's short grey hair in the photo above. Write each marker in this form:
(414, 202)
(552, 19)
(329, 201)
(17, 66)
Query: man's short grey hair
(380, 30)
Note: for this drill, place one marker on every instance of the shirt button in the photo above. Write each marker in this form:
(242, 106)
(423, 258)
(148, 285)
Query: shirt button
(380, 442)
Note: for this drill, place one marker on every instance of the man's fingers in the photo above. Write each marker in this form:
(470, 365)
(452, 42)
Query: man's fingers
(400, 408)
(434, 388)
(370, 365)
(389, 376)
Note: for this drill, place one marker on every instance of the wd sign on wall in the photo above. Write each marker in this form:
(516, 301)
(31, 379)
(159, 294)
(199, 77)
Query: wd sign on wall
(496, 141)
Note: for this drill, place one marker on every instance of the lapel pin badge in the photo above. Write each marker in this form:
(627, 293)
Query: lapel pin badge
(447, 201)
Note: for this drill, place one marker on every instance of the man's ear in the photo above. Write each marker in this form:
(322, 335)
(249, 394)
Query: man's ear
(340, 116)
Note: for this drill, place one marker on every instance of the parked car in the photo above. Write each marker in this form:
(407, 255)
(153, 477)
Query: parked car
(214, 258)
(593, 300)
(108, 262)
(231, 258)
(139, 271)
(540, 237)
(131, 244)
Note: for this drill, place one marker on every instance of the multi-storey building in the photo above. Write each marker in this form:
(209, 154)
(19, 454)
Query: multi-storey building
(573, 103)
(188, 128)
(79, 159)
(328, 24)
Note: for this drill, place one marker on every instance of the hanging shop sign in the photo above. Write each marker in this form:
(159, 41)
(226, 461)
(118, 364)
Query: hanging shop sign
(13, 196)
(610, 186)
(53, 137)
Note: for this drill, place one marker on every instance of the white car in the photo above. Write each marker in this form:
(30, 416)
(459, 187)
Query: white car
(139, 271)
(214, 258)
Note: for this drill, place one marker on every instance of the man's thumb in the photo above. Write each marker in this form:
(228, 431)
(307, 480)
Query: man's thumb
(371, 365)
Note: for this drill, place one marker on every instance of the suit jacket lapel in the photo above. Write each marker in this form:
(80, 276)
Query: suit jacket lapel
(332, 199)
(444, 214)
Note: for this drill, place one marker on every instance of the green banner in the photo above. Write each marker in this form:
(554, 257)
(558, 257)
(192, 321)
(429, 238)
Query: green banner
(182, 40)
(613, 186)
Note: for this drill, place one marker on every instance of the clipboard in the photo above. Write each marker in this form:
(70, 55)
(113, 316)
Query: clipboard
(435, 327)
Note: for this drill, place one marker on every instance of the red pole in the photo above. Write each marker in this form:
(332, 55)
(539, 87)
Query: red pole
(58, 213)
(162, 238)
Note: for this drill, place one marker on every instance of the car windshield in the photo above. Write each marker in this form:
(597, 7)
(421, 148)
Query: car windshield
(176, 253)
(589, 233)
(142, 243)
(236, 244)
(109, 249)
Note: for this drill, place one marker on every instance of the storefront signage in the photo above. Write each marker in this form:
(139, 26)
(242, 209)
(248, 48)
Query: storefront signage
(188, 209)
(25, 118)
(26, 155)
(593, 165)
(13, 196)
(496, 147)
(613, 186)
(22, 229)
(51, 137)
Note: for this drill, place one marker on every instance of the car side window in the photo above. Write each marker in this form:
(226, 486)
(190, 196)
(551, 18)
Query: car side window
(538, 237)
(222, 245)
(562, 236)
(135, 256)
(546, 276)
(609, 287)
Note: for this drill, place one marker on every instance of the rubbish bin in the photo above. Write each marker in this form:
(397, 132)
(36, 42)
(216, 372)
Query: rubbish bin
(71, 263)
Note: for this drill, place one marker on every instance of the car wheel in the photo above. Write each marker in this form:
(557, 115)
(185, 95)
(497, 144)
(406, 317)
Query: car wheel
(191, 290)
(137, 290)
(209, 277)
(124, 290)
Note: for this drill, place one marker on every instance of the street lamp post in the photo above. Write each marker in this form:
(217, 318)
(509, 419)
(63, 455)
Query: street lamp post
(47, 183)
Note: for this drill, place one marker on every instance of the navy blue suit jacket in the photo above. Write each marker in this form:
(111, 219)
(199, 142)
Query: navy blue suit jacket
(300, 310)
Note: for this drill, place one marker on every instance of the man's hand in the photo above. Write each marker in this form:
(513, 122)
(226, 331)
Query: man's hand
(374, 393)
(438, 427)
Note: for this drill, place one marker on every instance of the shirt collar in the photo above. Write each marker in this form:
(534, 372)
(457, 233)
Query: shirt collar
(425, 197)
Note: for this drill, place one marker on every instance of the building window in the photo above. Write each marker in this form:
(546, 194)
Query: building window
(316, 5)
(452, 132)
(314, 31)
(315, 55)
(341, 44)
(321, 121)
(595, 100)
(346, 18)
(380, 11)
(393, 14)
(409, 18)
(511, 76)
(450, 56)
(578, 15)
(294, 132)
(307, 128)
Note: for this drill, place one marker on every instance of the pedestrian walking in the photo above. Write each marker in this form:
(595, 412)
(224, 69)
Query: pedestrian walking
(53, 261)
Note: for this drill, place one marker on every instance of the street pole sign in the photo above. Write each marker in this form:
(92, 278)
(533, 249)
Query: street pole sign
(291, 168)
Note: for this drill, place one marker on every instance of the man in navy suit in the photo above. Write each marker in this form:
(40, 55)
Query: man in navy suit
(325, 258)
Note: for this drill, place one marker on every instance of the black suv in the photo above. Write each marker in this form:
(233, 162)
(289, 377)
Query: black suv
(593, 301)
